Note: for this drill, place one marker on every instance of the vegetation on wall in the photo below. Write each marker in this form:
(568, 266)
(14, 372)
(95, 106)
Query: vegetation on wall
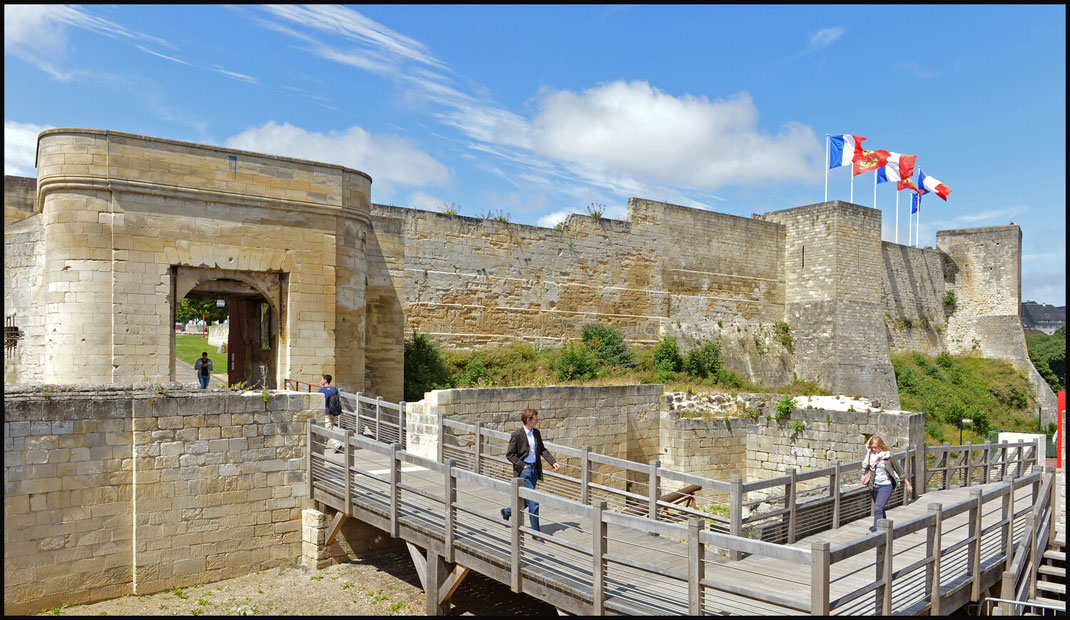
(599, 357)
(1048, 354)
(949, 388)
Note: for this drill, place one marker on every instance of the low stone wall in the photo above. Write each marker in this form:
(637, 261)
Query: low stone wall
(619, 421)
(113, 490)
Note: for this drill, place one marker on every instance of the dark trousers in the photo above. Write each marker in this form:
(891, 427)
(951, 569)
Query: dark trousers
(528, 476)
(880, 500)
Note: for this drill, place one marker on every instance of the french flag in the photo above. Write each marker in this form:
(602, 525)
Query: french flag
(842, 149)
(899, 167)
(932, 184)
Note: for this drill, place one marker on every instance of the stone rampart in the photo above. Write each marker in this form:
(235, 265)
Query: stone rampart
(913, 292)
(115, 489)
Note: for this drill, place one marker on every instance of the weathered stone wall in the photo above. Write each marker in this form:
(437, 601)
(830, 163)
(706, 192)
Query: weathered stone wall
(113, 490)
(470, 281)
(984, 269)
(24, 272)
(120, 213)
(833, 275)
(913, 292)
(20, 199)
(775, 445)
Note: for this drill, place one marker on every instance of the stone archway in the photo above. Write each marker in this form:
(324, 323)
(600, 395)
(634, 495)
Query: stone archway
(257, 332)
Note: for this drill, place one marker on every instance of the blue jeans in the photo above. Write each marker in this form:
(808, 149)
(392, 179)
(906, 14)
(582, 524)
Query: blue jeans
(204, 381)
(528, 476)
(880, 499)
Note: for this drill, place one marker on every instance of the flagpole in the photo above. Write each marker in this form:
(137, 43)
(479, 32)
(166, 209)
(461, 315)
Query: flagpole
(897, 214)
(827, 164)
(910, 223)
(852, 182)
(917, 233)
(875, 189)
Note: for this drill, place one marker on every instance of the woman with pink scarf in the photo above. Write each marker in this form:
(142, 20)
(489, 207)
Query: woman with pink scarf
(881, 473)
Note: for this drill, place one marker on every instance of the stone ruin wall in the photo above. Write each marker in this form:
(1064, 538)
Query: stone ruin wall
(216, 481)
(90, 276)
(470, 281)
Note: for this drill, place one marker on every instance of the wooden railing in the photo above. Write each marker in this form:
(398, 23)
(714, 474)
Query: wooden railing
(1020, 576)
(951, 573)
(586, 476)
(966, 465)
(378, 419)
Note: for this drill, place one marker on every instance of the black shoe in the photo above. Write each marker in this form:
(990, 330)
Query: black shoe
(504, 516)
(873, 529)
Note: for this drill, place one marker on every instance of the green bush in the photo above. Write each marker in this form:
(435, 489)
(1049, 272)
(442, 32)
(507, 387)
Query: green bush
(425, 367)
(703, 359)
(783, 332)
(728, 378)
(1048, 354)
(949, 299)
(784, 407)
(607, 345)
(667, 355)
(574, 363)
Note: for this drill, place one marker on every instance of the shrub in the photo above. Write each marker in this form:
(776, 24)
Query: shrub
(667, 355)
(703, 359)
(425, 367)
(949, 299)
(574, 363)
(606, 344)
(783, 331)
(728, 378)
(784, 407)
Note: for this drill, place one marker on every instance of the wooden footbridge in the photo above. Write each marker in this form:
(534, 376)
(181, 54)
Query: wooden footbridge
(610, 543)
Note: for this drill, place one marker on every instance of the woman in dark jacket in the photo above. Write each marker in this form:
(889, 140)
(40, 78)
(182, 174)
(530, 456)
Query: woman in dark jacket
(881, 473)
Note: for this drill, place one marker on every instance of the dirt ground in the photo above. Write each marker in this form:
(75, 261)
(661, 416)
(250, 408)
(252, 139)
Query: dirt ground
(383, 583)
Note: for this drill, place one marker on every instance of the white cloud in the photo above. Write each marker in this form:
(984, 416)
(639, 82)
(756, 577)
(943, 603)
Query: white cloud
(1045, 288)
(426, 202)
(390, 160)
(1057, 257)
(825, 36)
(20, 148)
(43, 27)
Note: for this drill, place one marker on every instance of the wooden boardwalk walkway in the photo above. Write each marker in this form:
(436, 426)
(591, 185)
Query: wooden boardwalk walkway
(591, 560)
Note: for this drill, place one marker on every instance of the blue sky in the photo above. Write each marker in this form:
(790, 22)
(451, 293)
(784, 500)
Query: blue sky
(537, 112)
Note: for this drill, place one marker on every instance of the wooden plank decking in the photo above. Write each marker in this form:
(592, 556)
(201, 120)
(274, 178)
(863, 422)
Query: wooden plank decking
(647, 573)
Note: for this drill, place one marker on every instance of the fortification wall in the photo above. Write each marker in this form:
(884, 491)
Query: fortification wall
(24, 298)
(470, 281)
(20, 199)
(216, 481)
(913, 289)
(120, 212)
(984, 269)
(833, 275)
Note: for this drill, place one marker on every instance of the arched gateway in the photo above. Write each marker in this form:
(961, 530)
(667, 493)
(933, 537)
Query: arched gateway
(127, 225)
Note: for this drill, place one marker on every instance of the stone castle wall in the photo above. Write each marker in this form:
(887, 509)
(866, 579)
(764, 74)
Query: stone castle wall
(913, 290)
(129, 224)
(111, 490)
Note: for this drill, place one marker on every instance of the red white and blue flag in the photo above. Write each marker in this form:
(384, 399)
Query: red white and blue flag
(844, 149)
(899, 167)
(932, 184)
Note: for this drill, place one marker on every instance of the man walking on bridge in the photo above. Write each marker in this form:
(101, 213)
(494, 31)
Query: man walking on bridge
(525, 448)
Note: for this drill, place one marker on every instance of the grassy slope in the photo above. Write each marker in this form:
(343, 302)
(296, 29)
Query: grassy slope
(948, 388)
(188, 348)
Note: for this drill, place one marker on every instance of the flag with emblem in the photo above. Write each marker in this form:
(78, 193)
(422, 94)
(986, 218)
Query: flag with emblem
(868, 161)
(843, 149)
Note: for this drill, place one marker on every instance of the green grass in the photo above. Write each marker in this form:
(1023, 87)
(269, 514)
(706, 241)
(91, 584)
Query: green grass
(948, 388)
(188, 348)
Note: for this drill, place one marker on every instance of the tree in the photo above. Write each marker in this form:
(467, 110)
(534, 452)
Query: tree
(193, 308)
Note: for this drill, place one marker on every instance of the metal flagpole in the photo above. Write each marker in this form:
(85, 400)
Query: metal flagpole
(852, 182)
(827, 165)
(897, 214)
(917, 229)
(910, 222)
(874, 189)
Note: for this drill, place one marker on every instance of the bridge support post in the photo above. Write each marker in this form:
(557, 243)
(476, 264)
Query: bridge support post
(585, 476)
(514, 536)
(789, 495)
(1008, 526)
(884, 569)
(439, 578)
(598, 552)
(969, 463)
(735, 513)
(655, 493)
(696, 566)
(834, 491)
(975, 529)
(819, 578)
(450, 496)
(921, 473)
(933, 550)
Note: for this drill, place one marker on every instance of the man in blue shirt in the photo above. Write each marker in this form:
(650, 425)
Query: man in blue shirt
(203, 368)
(525, 448)
(332, 419)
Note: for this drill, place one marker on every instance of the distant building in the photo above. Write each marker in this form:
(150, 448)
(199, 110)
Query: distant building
(1043, 317)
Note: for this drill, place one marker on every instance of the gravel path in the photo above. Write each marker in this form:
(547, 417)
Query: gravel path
(382, 583)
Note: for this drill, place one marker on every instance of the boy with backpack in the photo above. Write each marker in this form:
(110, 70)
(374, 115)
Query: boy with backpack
(333, 407)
